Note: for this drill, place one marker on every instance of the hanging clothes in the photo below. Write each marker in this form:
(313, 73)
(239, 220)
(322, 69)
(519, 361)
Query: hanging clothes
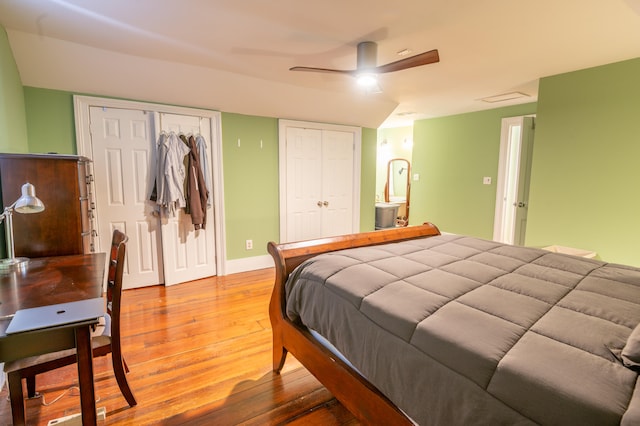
(201, 145)
(197, 192)
(170, 174)
(184, 138)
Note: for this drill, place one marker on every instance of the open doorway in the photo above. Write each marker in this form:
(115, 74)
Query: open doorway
(514, 173)
(393, 176)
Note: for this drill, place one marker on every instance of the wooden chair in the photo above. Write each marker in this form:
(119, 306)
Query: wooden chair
(106, 342)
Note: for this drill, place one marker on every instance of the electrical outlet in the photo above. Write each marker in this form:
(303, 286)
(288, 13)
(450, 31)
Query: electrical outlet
(486, 180)
(248, 244)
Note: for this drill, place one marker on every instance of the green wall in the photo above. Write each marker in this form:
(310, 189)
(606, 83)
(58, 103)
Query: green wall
(50, 121)
(251, 183)
(13, 121)
(250, 171)
(585, 175)
(451, 155)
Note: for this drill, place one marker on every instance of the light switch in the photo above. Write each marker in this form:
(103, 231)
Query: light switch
(416, 176)
(486, 180)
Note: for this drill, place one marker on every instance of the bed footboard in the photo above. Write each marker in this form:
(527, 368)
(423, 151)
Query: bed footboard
(350, 388)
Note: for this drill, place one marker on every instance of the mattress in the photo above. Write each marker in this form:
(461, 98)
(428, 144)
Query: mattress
(460, 330)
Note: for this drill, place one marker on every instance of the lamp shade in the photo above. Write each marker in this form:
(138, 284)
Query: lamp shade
(28, 202)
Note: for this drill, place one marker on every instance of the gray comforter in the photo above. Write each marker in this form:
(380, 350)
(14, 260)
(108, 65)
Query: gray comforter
(458, 330)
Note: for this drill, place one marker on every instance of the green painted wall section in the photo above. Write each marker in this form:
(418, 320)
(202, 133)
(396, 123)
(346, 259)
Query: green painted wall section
(13, 121)
(451, 155)
(585, 176)
(250, 172)
(250, 183)
(50, 121)
(368, 180)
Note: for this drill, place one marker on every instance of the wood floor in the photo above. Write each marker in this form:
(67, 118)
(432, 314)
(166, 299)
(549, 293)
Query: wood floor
(199, 354)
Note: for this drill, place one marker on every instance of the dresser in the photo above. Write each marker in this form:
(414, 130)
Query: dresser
(63, 183)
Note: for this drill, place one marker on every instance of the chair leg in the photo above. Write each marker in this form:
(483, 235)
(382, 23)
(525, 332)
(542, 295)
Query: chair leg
(17, 398)
(121, 378)
(31, 387)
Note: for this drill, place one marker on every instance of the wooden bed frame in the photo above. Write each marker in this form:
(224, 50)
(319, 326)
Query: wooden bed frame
(359, 396)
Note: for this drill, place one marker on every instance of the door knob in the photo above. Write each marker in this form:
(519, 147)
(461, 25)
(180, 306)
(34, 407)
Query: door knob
(520, 204)
(326, 204)
(319, 203)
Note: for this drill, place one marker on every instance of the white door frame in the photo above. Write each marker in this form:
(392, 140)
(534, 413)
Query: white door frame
(81, 105)
(282, 160)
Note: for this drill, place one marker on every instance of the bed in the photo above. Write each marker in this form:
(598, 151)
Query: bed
(407, 326)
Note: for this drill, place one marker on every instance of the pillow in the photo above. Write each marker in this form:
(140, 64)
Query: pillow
(631, 351)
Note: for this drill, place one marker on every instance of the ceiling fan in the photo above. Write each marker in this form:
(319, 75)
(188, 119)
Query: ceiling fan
(367, 58)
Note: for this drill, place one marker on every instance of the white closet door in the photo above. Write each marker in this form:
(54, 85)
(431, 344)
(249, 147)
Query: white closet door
(337, 183)
(304, 183)
(122, 154)
(318, 183)
(189, 254)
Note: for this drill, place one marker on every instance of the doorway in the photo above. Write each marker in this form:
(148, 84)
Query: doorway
(120, 138)
(514, 174)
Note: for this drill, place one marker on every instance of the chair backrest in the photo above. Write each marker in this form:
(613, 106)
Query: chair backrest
(114, 283)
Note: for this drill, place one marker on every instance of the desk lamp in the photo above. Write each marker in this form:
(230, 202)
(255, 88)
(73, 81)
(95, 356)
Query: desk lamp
(26, 204)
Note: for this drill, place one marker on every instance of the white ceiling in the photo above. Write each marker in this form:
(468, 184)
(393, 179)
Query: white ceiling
(235, 55)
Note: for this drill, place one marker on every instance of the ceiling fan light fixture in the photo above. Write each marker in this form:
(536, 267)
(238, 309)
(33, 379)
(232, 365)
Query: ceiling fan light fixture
(369, 82)
(367, 79)
(367, 70)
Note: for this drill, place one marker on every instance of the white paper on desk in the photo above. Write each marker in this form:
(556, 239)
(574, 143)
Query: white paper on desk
(56, 315)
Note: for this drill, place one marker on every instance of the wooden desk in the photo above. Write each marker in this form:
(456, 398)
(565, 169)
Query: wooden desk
(48, 281)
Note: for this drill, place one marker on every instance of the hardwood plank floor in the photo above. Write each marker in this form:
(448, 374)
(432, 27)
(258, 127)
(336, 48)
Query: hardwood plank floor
(199, 354)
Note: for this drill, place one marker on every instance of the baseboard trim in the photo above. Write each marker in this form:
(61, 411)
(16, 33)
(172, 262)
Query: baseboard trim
(245, 264)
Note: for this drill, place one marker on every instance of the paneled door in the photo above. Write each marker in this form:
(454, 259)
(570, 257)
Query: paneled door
(337, 182)
(318, 177)
(122, 155)
(189, 254)
(120, 137)
(161, 249)
(304, 183)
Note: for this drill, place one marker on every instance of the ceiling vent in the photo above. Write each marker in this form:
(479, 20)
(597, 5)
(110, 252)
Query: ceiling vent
(504, 97)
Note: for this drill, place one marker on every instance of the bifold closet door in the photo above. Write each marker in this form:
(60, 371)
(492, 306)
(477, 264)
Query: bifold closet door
(188, 254)
(319, 183)
(160, 250)
(123, 154)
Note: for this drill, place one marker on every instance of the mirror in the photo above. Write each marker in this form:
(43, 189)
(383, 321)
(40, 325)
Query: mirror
(397, 187)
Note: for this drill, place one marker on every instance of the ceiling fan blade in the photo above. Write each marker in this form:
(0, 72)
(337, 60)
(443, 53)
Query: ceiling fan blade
(312, 69)
(425, 58)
